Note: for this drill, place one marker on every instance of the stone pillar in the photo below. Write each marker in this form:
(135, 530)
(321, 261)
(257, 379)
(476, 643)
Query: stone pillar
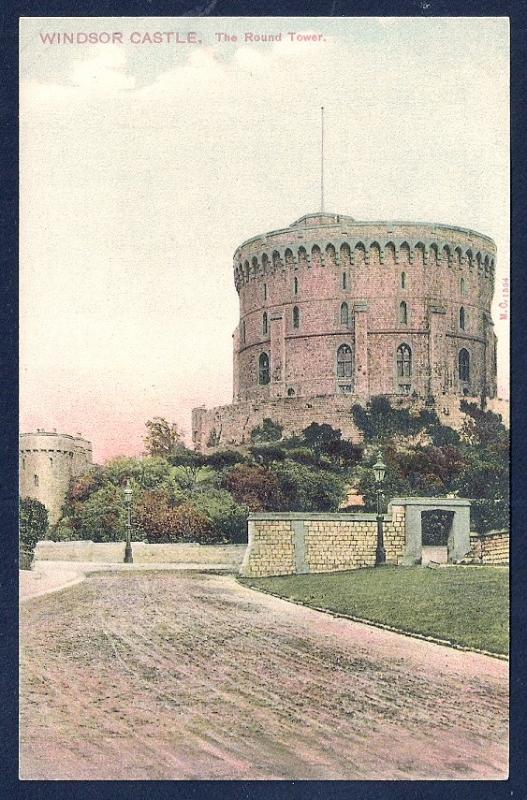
(244, 569)
(414, 536)
(436, 350)
(361, 387)
(459, 539)
(299, 539)
(277, 355)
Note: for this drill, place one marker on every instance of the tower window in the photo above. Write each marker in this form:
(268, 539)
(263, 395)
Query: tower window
(265, 324)
(462, 318)
(403, 313)
(404, 361)
(463, 287)
(296, 317)
(295, 286)
(263, 369)
(344, 314)
(35, 480)
(344, 361)
(403, 280)
(265, 291)
(344, 280)
(464, 365)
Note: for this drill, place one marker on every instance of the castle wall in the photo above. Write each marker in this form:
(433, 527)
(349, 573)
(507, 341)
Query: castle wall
(295, 543)
(48, 461)
(231, 425)
(491, 549)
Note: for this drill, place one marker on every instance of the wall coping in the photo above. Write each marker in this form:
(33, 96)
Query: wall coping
(313, 515)
(429, 501)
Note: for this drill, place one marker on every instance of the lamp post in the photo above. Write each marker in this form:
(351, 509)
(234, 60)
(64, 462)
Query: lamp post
(379, 470)
(128, 557)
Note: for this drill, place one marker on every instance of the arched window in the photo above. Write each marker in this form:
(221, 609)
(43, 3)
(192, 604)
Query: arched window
(265, 291)
(295, 288)
(404, 361)
(464, 365)
(265, 325)
(344, 314)
(344, 369)
(403, 280)
(462, 318)
(344, 280)
(263, 369)
(403, 313)
(296, 317)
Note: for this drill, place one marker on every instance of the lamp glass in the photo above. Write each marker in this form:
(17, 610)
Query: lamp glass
(379, 469)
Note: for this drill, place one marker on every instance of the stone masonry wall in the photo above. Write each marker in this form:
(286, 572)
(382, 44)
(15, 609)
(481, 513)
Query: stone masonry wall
(491, 549)
(296, 543)
(113, 553)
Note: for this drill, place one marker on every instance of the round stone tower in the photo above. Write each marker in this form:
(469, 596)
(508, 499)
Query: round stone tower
(334, 311)
(48, 461)
(333, 306)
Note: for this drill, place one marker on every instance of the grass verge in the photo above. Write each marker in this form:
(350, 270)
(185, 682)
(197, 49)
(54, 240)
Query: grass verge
(468, 606)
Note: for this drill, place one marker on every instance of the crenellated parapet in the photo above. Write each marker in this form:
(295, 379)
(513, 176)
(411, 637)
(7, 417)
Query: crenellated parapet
(353, 243)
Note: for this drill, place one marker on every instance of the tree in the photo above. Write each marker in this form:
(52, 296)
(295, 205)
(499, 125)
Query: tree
(191, 525)
(228, 519)
(189, 464)
(102, 517)
(253, 486)
(163, 438)
(304, 488)
(268, 431)
(33, 528)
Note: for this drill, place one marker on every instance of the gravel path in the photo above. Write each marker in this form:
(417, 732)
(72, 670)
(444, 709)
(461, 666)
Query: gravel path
(173, 676)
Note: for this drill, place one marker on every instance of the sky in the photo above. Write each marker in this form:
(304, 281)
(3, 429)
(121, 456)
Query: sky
(144, 165)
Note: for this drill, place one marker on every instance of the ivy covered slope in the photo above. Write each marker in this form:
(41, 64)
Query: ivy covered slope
(182, 495)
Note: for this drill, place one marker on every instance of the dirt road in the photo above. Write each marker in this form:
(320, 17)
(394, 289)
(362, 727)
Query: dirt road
(185, 676)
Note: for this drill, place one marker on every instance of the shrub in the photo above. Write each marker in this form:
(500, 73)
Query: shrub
(228, 519)
(302, 488)
(33, 527)
(268, 431)
(253, 486)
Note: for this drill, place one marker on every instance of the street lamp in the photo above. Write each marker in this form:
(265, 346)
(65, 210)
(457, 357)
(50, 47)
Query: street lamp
(128, 557)
(379, 470)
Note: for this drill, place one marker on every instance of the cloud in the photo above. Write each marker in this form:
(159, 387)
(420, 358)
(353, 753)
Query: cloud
(104, 71)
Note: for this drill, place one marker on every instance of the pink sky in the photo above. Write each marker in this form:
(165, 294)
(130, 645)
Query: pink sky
(143, 169)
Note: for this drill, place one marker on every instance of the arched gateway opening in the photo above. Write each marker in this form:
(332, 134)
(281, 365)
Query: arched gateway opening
(436, 527)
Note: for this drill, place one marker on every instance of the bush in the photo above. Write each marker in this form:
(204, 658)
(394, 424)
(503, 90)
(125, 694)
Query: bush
(303, 488)
(33, 524)
(268, 431)
(191, 525)
(253, 486)
(228, 519)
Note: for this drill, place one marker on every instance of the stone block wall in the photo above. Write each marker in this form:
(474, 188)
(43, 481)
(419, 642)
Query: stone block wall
(271, 547)
(491, 549)
(297, 543)
(113, 553)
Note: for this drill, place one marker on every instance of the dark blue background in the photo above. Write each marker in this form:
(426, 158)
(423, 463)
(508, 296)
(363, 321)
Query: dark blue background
(10, 787)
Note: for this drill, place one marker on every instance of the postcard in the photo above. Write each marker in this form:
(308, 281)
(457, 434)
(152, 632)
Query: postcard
(264, 420)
